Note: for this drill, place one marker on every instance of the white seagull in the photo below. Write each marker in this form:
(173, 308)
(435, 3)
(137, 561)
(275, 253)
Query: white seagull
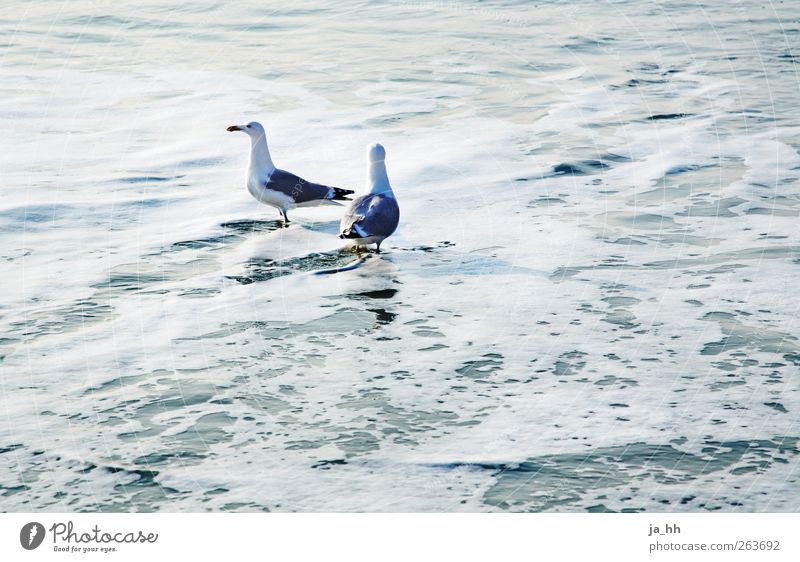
(276, 187)
(372, 217)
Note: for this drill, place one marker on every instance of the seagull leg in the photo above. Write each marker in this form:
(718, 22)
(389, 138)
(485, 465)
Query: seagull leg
(285, 218)
(378, 248)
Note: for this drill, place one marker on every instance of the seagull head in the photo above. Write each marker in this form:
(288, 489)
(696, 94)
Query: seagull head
(253, 129)
(376, 153)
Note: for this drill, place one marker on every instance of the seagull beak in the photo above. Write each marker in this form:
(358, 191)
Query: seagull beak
(234, 128)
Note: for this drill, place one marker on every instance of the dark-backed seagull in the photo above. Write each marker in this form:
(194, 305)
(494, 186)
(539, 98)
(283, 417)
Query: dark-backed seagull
(281, 189)
(372, 217)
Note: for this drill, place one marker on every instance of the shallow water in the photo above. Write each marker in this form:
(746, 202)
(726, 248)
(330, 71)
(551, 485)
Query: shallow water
(589, 304)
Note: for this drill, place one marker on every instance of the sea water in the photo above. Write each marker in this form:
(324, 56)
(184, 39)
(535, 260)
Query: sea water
(590, 303)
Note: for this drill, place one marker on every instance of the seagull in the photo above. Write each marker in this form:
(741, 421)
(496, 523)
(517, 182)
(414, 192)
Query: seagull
(372, 217)
(276, 187)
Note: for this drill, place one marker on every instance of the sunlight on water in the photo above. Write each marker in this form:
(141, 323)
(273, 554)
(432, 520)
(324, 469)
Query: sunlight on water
(589, 304)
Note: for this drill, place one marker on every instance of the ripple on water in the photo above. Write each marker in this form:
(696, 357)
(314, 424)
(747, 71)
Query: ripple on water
(653, 191)
(611, 477)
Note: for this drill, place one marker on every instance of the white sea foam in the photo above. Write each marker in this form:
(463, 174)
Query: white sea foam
(588, 299)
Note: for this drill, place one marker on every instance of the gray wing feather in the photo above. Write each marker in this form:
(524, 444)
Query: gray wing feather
(375, 215)
(302, 191)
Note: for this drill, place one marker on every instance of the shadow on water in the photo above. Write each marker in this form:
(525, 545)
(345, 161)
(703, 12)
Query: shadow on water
(249, 226)
(377, 294)
(264, 269)
(442, 261)
(379, 301)
(236, 231)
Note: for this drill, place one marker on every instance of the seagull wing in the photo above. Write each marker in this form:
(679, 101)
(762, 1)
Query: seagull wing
(370, 215)
(303, 191)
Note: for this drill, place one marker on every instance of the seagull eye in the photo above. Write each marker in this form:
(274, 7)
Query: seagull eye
(248, 126)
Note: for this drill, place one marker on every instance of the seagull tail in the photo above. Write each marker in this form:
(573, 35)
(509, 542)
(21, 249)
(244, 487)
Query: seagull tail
(339, 194)
(352, 231)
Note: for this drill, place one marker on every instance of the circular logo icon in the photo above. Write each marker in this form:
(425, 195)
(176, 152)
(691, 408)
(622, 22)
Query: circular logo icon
(31, 535)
